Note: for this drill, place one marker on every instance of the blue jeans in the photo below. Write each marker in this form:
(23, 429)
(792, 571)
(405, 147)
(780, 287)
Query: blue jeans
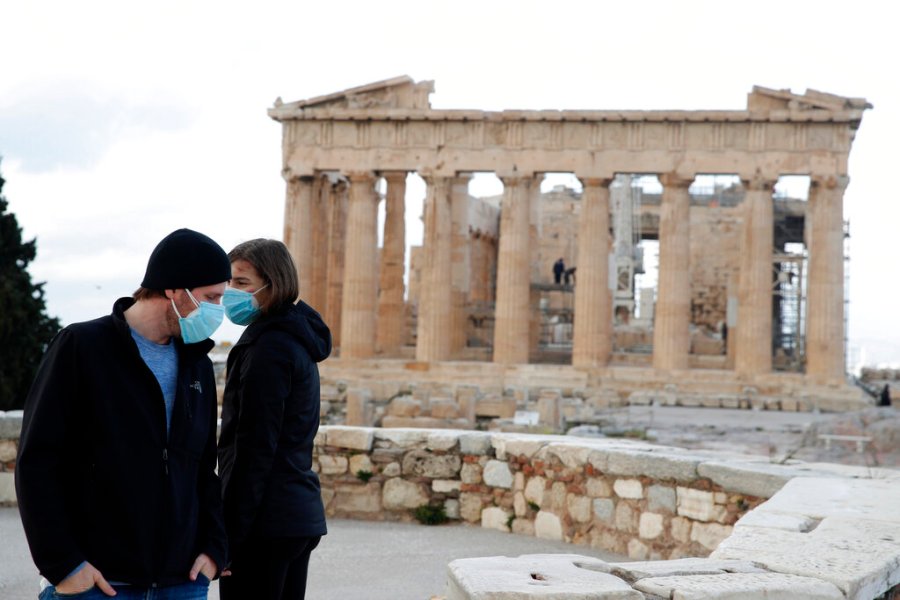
(195, 590)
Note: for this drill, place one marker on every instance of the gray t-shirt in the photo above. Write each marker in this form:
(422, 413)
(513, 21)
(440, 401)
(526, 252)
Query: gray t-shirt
(163, 362)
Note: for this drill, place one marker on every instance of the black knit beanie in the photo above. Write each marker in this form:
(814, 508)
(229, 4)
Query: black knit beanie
(186, 259)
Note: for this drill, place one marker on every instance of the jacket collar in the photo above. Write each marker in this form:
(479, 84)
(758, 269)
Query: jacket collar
(187, 351)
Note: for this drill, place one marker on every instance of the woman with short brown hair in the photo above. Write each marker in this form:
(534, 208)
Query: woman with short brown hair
(270, 414)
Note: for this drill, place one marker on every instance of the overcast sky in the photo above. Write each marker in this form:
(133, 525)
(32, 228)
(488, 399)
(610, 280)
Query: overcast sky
(122, 121)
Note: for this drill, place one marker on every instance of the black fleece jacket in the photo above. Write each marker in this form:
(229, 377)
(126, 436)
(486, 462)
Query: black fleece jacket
(270, 415)
(96, 478)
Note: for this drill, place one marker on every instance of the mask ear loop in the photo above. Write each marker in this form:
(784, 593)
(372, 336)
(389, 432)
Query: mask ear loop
(175, 308)
(191, 296)
(259, 290)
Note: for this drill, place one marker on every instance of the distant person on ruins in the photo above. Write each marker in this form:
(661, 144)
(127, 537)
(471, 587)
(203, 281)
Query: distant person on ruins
(270, 415)
(559, 267)
(885, 398)
(116, 471)
(570, 276)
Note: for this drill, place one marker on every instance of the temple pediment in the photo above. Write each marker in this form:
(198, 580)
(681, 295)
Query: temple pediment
(397, 92)
(766, 99)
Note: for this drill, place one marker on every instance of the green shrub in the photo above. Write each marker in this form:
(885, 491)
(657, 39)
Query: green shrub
(364, 476)
(431, 515)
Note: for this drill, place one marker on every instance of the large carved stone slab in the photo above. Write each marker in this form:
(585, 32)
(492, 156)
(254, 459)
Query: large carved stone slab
(740, 586)
(820, 497)
(535, 577)
(861, 557)
(634, 571)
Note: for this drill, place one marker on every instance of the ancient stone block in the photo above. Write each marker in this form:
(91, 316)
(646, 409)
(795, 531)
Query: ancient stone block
(681, 529)
(475, 443)
(604, 509)
(7, 488)
(360, 410)
(445, 486)
(858, 555)
(558, 576)
(332, 465)
(424, 464)
(698, 505)
(399, 494)
(451, 508)
(661, 498)
(7, 451)
(495, 406)
(633, 571)
(626, 518)
(756, 479)
(361, 462)
(470, 507)
(774, 586)
(598, 488)
(444, 409)
(497, 474)
(403, 438)
(548, 526)
(391, 470)
(534, 490)
(356, 498)
(517, 445)
(629, 488)
(579, 508)
(470, 473)
(352, 438)
(650, 525)
(661, 466)
(495, 518)
(558, 494)
(442, 440)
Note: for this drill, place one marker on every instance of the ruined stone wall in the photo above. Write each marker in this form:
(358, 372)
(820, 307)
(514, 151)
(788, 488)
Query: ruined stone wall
(626, 497)
(10, 426)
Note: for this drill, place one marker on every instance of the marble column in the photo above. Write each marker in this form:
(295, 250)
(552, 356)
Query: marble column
(337, 224)
(391, 314)
(435, 316)
(825, 279)
(592, 342)
(298, 226)
(359, 293)
(511, 314)
(461, 267)
(671, 327)
(317, 296)
(534, 243)
(754, 326)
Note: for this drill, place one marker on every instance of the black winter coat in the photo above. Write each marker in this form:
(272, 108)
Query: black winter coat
(96, 478)
(270, 416)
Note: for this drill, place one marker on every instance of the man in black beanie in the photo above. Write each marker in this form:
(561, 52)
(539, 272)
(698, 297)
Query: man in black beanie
(115, 475)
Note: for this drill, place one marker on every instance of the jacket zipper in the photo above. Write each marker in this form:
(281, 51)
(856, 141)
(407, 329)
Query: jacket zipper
(166, 461)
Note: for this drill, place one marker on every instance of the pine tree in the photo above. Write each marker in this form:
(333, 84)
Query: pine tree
(25, 328)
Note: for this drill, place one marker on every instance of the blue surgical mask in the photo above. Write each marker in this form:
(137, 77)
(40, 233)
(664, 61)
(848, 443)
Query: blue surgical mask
(241, 307)
(201, 322)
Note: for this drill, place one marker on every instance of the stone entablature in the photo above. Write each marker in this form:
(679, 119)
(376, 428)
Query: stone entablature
(781, 133)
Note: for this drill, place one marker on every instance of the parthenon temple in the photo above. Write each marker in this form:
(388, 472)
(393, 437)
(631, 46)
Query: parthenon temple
(749, 287)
